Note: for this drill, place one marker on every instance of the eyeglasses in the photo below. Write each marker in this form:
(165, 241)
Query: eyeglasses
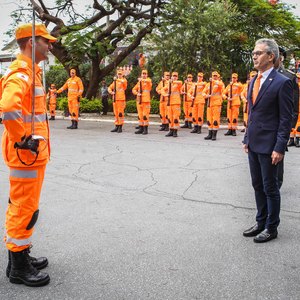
(259, 53)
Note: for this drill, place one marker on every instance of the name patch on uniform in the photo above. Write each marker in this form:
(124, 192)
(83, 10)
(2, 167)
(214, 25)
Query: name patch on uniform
(22, 76)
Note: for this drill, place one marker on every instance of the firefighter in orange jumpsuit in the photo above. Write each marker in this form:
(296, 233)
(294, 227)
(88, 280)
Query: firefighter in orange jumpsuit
(295, 133)
(117, 90)
(213, 92)
(142, 91)
(52, 94)
(75, 89)
(142, 60)
(244, 99)
(19, 150)
(198, 102)
(163, 102)
(172, 92)
(187, 102)
(232, 93)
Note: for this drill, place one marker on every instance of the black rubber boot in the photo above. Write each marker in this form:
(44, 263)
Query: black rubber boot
(75, 125)
(195, 130)
(162, 128)
(186, 125)
(71, 126)
(52, 118)
(233, 132)
(243, 130)
(175, 133)
(291, 142)
(115, 129)
(229, 132)
(145, 130)
(170, 133)
(22, 271)
(167, 127)
(199, 129)
(119, 128)
(140, 131)
(297, 143)
(214, 135)
(190, 125)
(209, 137)
(39, 263)
(137, 127)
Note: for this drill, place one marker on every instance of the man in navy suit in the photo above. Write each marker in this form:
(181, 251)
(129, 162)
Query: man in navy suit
(270, 101)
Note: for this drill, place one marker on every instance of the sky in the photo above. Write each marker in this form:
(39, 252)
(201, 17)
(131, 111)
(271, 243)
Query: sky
(7, 6)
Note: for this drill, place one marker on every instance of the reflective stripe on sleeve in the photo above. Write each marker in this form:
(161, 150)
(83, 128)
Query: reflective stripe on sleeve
(23, 173)
(37, 118)
(13, 115)
(39, 91)
(18, 242)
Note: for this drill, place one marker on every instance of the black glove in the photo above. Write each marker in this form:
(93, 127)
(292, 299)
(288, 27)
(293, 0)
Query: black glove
(28, 143)
(78, 98)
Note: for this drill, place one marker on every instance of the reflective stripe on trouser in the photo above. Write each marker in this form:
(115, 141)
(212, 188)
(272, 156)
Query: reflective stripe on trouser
(198, 112)
(144, 112)
(232, 116)
(24, 195)
(163, 112)
(187, 111)
(213, 117)
(52, 108)
(173, 115)
(73, 108)
(119, 108)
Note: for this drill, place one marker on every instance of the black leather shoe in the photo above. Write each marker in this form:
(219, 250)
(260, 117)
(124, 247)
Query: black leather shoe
(253, 231)
(265, 236)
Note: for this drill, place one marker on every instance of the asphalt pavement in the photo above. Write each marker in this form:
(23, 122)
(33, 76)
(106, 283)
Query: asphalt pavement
(126, 216)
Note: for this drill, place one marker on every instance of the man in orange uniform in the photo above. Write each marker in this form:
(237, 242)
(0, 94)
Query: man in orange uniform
(117, 90)
(172, 92)
(142, 91)
(244, 95)
(52, 94)
(187, 102)
(163, 102)
(295, 133)
(142, 60)
(198, 102)
(232, 93)
(75, 90)
(213, 93)
(20, 149)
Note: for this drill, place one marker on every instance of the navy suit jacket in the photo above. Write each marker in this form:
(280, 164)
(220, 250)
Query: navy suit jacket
(270, 117)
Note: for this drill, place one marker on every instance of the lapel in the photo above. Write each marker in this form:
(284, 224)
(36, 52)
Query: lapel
(265, 86)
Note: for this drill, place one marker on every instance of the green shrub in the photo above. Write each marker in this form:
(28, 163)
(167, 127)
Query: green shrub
(86, 105)
(131, 106)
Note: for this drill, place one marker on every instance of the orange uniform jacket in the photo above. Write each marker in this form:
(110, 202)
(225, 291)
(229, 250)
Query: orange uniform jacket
(199, 93)
(16, 107)
(121, 86)
(74, 86)
(162, 84)
(217, 92)
(175, 92)
(237, 89)
(185, 89)
(146, 89)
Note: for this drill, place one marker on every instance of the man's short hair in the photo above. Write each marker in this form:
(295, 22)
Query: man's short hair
(272, 47)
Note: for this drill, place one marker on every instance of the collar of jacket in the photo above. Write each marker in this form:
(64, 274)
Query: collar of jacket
(28, 60)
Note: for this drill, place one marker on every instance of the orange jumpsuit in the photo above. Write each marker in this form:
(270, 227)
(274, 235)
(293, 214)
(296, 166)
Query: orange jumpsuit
(215, 103)
(187, 101)
(52, 94)
(25, 181)
(75, 90)
(143, 102)
(174, 103)
(199, 102)
(119, 99)
(245, 103)
(296, 131)
(233, 91)
(162, 102)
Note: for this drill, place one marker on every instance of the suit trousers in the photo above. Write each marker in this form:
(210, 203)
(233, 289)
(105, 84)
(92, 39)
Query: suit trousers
(265, 183)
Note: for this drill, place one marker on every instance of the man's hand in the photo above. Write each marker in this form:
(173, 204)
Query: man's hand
(245, 147)
(28, 143)
(276, 157)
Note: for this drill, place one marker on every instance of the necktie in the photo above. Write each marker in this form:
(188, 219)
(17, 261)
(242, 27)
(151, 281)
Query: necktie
(256, 87)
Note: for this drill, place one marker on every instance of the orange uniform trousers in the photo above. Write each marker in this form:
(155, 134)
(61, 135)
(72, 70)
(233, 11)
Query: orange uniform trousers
(187, 109)
(163, 112)
(143, 113)
(174, 111)
(22, 211)
(295, 132)
(73, 105)
(52, 107)
(232, 116)
(245, 113)
(213, 117)
(198, 113)
(119, 108)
